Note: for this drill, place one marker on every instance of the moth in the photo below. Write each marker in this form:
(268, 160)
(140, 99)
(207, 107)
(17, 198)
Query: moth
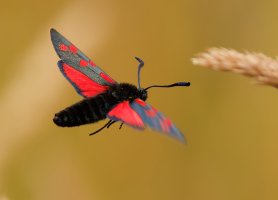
(104, 97)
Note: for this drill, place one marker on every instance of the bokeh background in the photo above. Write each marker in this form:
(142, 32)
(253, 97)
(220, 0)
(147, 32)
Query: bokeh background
(230, 122)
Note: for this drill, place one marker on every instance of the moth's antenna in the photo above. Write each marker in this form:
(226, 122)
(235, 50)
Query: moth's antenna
(172, 85)
(141, 64)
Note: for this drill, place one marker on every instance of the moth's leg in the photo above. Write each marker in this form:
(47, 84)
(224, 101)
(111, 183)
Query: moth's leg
(121, 125)
(111, 123)
(106, 125)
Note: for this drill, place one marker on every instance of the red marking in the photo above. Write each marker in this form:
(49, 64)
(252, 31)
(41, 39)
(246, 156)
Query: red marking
(88, 87)
(73, 49)
(107, 78)
(83, 63)
(140, 102)
(92, 63)
(125, 113)
(63, 47)
(166, 124)
(151, 113)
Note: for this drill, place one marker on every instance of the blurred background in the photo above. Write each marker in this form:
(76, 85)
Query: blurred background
(229, 121)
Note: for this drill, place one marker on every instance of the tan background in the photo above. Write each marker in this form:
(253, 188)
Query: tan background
(230, 122)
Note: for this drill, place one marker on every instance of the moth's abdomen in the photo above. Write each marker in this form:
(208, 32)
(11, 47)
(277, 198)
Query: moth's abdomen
(86, 111)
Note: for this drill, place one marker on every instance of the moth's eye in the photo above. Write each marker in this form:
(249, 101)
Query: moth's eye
(115, 94)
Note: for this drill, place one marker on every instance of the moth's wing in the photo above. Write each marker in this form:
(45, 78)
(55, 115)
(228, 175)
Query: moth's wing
(123, 112)
(84, 86)
(78, 68)
(156, 120)
(139, 114)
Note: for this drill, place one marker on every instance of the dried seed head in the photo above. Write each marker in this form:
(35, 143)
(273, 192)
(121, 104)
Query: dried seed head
(258, 65)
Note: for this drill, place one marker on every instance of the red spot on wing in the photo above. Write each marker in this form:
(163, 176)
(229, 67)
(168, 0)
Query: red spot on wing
(63, 47)
(73, 49)
(165, 124)
(140, 102)
(125, 113)
(92, 63)
(87, 87)
(151, 113)
(83, 63)
(107, 78)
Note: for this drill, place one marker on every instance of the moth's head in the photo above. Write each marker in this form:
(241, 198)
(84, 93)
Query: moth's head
(143, 94)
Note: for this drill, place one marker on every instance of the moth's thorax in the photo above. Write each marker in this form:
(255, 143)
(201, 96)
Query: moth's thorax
(126, 91)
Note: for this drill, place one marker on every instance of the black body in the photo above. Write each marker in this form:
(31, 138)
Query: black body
(90, 110)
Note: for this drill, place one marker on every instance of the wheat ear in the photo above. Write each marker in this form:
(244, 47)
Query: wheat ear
(258, 65)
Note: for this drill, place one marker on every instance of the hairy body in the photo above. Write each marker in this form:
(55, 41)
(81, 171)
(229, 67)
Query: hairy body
(93, 109)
